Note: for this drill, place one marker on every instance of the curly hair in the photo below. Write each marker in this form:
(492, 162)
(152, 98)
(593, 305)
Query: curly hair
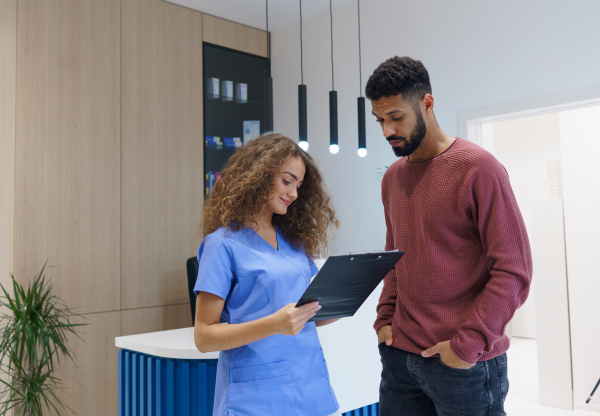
(246, 184)
(399, 75)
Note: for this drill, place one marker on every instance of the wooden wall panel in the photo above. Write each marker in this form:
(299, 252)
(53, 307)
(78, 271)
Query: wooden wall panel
(90, 384)
(162, 150)
(68, 148)
(235, 36)
(8, 63)
(161, 318)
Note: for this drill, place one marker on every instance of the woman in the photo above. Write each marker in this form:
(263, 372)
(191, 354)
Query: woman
(266, 218)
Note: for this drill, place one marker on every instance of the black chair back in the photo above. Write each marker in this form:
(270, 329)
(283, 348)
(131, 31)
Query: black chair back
(192, 272)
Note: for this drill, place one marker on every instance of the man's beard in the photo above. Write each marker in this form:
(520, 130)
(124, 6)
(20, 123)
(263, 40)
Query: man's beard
(416, 137)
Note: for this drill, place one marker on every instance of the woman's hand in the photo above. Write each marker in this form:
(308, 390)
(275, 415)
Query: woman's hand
(290, 320)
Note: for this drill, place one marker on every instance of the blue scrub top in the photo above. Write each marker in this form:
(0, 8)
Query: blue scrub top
(280, 374)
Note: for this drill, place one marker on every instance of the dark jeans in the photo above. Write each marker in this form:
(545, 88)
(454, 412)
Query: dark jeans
(415, 386)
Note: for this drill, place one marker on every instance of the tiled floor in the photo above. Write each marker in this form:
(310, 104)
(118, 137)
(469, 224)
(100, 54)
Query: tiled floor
(523, 396)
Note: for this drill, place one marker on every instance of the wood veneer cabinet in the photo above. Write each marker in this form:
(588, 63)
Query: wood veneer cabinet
(90, 385)
(161, 150)
(101, 141)
(8, 67)
(234, 36)
(68, 162)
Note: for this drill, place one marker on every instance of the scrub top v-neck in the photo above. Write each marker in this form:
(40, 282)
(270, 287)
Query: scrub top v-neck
(280, 374)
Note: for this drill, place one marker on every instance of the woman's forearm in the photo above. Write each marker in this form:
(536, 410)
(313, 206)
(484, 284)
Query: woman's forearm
(220, 337)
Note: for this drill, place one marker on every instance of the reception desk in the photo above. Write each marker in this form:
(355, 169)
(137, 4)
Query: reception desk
(162, 373)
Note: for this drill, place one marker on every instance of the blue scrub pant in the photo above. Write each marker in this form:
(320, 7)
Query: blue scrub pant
(415, 386)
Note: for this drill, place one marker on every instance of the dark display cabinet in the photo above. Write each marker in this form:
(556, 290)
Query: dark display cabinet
(235, 105)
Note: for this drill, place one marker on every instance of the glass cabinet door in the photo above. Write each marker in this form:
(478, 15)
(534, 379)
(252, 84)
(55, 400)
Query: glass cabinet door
(235, 105)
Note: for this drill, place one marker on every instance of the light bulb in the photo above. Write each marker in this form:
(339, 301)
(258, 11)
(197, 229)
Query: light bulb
(362, 152)
(303, 145)
(334, 148)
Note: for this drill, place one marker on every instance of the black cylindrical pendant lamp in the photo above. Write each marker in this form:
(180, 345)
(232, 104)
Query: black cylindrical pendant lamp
(333, 123)
(362, 128)
(302, 118)
(269, 103)
(333, 112)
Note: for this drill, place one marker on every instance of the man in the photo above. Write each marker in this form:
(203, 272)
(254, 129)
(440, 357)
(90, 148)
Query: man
(443, 310)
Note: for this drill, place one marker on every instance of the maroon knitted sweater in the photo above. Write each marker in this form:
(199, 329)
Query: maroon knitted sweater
(467, 266)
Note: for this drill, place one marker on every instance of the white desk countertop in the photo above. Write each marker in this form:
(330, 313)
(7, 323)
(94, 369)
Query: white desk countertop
(176, 343)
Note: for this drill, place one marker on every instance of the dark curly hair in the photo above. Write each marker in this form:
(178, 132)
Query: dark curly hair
(246, 184)
(399, 75)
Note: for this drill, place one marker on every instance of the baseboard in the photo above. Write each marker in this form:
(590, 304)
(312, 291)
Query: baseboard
(587, 407)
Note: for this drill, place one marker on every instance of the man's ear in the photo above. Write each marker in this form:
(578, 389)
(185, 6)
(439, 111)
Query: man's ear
(427, 101)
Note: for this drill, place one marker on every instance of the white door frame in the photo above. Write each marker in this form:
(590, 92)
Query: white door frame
(470, 121)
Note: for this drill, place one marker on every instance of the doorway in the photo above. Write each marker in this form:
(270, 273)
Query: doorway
(543, 150)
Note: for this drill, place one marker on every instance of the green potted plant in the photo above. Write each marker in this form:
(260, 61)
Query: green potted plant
(381, 172)
(34, 326)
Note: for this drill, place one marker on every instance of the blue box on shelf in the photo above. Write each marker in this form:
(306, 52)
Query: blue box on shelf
(232, 142)
(214, 142)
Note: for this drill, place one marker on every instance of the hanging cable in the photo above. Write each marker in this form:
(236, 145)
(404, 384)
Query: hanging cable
(301, 68)
(359, 54)
(268, 79)
(331, 19)
(268, 42)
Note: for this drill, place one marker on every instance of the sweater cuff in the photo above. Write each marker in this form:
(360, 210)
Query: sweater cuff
(464, 353)
(379, 323)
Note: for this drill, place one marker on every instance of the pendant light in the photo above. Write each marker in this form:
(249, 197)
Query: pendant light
(333, 113)
(302, 118)
(362, 126)
(268, 80)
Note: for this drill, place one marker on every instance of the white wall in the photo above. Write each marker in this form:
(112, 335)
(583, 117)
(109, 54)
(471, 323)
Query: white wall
(580, 147)
(478, 54)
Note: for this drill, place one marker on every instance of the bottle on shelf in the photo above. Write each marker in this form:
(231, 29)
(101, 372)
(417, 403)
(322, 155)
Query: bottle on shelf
(241, 93)
(227, 91)
(212, 88)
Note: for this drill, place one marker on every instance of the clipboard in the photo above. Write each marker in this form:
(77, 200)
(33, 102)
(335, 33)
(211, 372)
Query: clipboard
(345, 282)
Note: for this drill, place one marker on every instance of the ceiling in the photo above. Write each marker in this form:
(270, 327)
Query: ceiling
(251, 13)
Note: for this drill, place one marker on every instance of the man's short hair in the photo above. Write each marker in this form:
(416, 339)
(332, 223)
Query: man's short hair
(399, 75)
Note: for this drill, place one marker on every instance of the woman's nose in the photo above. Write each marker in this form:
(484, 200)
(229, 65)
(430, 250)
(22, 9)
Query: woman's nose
(293, 194)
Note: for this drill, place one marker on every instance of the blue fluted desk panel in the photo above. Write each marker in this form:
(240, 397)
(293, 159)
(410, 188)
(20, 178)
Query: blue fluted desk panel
(370, 410)
(156, 386)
